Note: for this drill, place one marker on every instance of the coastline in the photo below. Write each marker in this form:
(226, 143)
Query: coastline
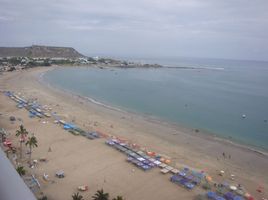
(190, 130)
(184, 148)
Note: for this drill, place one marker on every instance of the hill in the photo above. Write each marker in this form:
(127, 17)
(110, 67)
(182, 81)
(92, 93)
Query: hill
(36, 51)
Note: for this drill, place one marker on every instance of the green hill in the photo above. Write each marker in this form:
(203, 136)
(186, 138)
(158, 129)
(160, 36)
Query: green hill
(36, 51)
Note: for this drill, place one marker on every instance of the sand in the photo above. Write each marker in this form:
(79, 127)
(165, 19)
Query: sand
(92, 163)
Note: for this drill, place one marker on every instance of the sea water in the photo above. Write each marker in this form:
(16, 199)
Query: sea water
(223, 97)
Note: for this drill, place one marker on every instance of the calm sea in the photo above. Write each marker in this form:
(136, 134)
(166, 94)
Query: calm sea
(212, 99)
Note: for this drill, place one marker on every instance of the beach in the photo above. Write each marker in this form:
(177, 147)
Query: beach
(92, 163)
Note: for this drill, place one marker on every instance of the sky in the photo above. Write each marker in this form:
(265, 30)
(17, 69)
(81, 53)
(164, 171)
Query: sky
(235, 29)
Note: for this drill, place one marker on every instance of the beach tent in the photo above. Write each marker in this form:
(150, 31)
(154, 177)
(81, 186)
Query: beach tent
(229, 196)
(175, 178)
(66, 127)
(20, 105)
(182, 173)
(72, 126)
(145, 167)
(189, 185)
(219, 198)
(8, 93)
(31, 115)
(238, 198)
(156, 162)
(211, 195)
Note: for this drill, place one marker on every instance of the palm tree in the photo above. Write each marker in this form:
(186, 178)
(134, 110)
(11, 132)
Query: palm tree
(118, 198)
(31, 142)
(22, 133)
(21, 170)
(77, 196)
(100, 195)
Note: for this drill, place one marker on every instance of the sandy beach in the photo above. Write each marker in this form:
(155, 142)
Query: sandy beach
(92, 163)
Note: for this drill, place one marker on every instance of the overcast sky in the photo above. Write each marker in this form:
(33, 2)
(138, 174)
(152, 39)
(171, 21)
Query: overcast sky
(140, 28)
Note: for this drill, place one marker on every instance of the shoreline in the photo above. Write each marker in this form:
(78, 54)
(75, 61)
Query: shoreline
(190, 130)
(91, 161)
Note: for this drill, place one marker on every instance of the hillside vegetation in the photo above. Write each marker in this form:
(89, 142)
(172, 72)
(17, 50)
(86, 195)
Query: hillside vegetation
(40, 52)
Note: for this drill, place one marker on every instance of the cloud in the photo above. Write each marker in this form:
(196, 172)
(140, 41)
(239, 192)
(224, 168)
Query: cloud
(191, 24)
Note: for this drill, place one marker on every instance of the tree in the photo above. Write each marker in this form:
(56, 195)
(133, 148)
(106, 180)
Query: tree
(100, 195)
(118, 198)
(31, 142)
(22, 133)
(77, 196)
(21, 171)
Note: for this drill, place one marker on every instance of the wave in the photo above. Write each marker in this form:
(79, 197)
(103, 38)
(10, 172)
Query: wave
(208, 68)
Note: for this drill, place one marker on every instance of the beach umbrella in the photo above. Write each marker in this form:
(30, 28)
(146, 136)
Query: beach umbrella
(167, 161)
(221, 173)
(209, 178)
(232, 187)
(150, 153)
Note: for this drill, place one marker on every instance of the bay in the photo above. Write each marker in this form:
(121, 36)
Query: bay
(212, 97)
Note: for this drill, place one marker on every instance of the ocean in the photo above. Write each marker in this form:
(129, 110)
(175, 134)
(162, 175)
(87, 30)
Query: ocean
(227, 98)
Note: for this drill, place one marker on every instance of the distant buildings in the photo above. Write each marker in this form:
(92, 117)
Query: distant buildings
(19, 63)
